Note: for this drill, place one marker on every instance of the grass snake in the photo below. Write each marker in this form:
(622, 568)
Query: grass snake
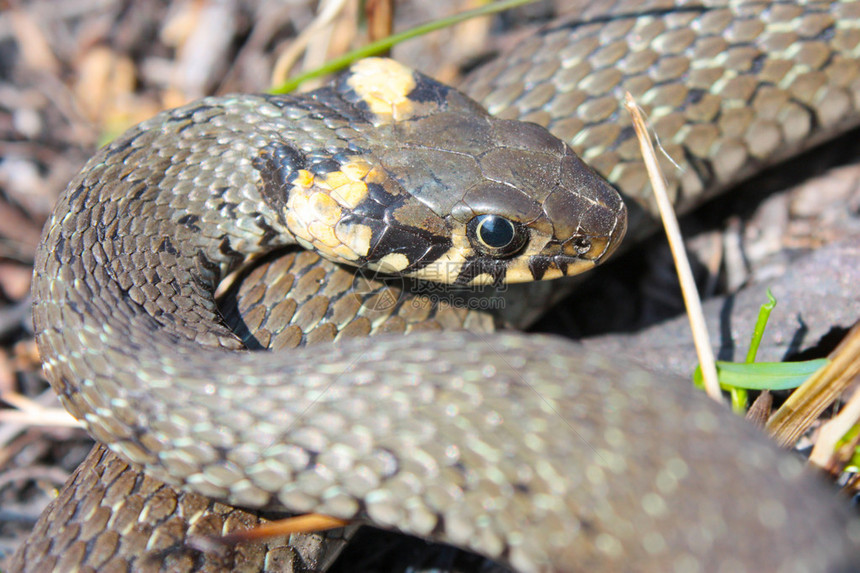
(526, 449)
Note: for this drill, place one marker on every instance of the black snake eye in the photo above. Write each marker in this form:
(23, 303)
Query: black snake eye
(495, 235)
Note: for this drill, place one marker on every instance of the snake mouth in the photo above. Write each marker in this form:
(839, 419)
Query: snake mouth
(576, 255)
(544, 267)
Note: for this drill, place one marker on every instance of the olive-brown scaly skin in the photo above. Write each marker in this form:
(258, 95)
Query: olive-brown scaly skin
(555, 459)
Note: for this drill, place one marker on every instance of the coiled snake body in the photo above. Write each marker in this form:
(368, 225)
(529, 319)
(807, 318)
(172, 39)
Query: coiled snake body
(525, 449)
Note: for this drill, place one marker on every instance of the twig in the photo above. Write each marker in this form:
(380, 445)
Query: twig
(676, 244)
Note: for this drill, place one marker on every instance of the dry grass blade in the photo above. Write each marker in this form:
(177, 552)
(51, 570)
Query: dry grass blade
(832, 431)
(676, 243)
(805, 404)
(32, 413)
(287, 59)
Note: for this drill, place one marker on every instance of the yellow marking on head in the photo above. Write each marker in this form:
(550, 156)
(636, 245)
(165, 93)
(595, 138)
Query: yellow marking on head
(383, 85)
(324, 233)
(297, 228)
(393, 263)
(324, 250)
(296, 213)
(335, 179)
(518, 271)
(345, 253)
(551, 273)
(351, 194)
(575, 268)
(355, 237)
(307, 208)
(376, 175)
(306, 244)
(325, 208)
(304, 178)
(445, 269)
(356, 169)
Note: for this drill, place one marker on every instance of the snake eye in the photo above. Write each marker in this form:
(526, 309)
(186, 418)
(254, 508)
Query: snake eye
(495, 235)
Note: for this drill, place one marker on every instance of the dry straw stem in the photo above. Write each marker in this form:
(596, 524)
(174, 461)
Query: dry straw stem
(308, 523)
(805, 404)
(832, 431)
(676, 244)
(30, 413)
(317, 32)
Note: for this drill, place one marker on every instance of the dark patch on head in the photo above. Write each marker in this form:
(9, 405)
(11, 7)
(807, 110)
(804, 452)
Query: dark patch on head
(380, 194)
(342, 156)
(333, 101)
(406, 212)
(344, 93)
(427, 90)
(432, 254)
(278, 165)
(323, 166)
(376, 203)
(370, 209)
(418, 246)
(342, 100)
(538, 266)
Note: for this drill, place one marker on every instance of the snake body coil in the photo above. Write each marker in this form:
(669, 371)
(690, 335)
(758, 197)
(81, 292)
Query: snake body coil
(525, 449)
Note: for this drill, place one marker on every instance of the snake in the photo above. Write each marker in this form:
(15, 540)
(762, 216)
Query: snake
(527, 449)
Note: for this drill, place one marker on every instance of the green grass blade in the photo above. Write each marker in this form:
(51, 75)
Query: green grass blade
(380, 46)
(763, 375)
(760, 323)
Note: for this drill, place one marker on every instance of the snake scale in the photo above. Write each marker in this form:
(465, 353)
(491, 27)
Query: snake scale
(526, 449)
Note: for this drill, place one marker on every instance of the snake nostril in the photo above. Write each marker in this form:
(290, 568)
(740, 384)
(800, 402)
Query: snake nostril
(578, 247)
(581, 244)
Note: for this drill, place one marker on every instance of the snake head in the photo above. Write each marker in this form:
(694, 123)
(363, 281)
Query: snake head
(516, 202)
(437, 189)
